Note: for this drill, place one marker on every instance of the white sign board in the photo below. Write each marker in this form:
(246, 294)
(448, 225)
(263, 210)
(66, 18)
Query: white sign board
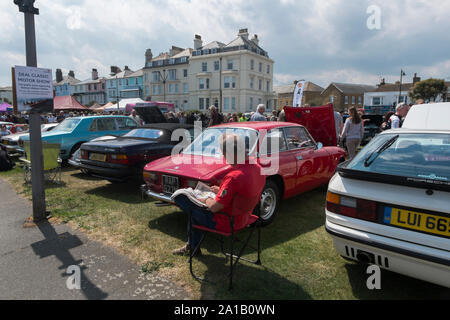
(298, 93)
(34, 89)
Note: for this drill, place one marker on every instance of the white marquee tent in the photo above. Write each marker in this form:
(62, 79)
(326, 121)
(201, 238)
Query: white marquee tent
(122, 104)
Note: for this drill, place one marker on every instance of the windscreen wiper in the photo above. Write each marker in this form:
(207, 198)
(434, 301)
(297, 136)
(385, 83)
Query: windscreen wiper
(371, 158)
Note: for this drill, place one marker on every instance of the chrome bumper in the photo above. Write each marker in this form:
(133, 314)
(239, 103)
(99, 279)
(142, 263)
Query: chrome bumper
(157, 196)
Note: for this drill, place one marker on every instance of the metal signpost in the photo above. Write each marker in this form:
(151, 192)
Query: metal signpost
(37, 168)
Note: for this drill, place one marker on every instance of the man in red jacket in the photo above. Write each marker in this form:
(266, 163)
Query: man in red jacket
(237, 196)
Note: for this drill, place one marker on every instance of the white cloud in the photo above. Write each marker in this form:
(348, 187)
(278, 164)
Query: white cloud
(74, 21)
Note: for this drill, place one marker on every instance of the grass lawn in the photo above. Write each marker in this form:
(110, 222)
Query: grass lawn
(299, 260)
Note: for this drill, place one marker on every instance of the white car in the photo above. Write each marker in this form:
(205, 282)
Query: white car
(390, 205)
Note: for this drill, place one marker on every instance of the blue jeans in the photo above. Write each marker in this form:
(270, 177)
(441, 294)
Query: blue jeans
(200, 216)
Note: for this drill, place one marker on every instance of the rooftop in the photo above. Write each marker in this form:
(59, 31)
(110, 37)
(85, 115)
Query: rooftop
(67, 80)
(352, 88)
(309, 87)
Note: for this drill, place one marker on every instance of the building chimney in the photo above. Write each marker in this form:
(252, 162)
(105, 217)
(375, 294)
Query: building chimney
(115, 70)
(71, 74)
(255, 39)
(175, 50)
(198, 43)
(94, 74)
(59, 76)
(416, 78)
(243, 33)
(382, 82)
(148, 56)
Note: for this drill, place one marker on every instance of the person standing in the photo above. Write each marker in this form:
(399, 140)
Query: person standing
(386, 125)
(60, 118)
(135, 117)
(400, 113)
(214, 117)
(259, 114)
(339, 124)
(282, 116)
(353, 132)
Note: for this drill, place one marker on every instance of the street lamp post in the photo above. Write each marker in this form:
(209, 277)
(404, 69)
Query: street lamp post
(37, 168)
(118, 96)
(402, 73)
(164, 77)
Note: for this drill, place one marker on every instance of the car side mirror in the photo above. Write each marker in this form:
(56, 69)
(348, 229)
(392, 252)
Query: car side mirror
(319, 145)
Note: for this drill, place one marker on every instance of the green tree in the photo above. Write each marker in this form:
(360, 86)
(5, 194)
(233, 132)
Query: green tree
(428, 90)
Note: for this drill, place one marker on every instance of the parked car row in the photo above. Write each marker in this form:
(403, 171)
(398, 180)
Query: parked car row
(389, 206)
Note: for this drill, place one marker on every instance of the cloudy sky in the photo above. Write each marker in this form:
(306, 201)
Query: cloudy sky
(317, 40)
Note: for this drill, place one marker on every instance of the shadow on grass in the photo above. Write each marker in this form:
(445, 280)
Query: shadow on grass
(124, 192)
(250, 282)
(393, 286)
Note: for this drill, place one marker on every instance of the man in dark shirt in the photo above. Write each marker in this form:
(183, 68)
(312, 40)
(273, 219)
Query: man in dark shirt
(237, 196)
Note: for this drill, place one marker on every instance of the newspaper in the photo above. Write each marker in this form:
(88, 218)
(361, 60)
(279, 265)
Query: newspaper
(201, 192)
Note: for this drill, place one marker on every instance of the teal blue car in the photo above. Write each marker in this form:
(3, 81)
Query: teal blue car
(73, 132)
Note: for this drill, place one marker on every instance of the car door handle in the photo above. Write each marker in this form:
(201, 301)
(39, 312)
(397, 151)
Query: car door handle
(299, 158)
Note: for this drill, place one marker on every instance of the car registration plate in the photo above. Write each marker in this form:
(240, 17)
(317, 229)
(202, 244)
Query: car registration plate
(418, 221)
(170, 184)
(97, 157)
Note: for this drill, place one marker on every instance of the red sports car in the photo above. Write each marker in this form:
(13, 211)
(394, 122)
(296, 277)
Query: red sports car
(293, 162)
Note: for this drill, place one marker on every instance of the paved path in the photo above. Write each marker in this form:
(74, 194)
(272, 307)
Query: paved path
(34, 261)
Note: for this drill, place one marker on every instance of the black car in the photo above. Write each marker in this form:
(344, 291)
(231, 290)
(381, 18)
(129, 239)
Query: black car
(118, 159)
(372, 125)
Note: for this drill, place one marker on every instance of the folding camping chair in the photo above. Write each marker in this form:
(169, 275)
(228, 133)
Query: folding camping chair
(52, 162)
(253, 223)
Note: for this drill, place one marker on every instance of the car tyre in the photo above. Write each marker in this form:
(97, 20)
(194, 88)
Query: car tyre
(270, 200)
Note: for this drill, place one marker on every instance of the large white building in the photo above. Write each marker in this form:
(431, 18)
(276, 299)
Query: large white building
(240, 72)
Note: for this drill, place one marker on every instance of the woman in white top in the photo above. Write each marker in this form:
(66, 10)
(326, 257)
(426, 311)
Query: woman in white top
(353, 131)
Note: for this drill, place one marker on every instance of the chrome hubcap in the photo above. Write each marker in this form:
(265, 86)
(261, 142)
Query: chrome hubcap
(268, 204)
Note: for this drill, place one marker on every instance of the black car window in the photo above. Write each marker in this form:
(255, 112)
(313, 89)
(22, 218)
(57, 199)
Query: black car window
(93, 126)
(106, 124)
(126, 123)
(121, 123)
(130, 124)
